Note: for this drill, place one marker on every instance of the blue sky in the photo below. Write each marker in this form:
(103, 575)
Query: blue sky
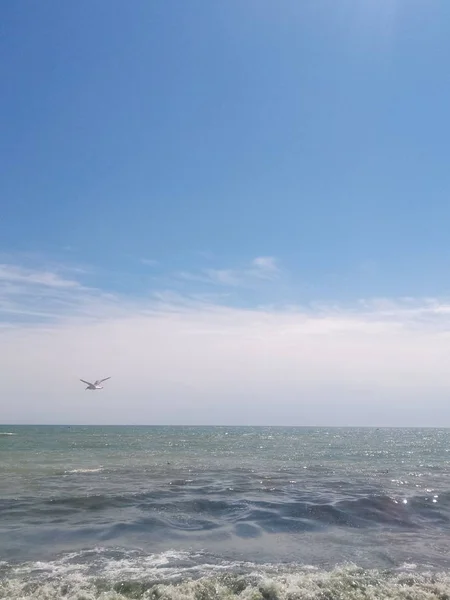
(240, 155)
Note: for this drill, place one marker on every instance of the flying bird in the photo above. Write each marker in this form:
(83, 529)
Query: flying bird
(96, 385)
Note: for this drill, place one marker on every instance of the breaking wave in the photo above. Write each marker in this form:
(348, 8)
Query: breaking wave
(183, 576)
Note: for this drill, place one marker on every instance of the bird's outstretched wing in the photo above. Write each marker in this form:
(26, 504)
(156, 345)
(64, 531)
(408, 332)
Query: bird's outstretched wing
(99, 381)
(87, 382)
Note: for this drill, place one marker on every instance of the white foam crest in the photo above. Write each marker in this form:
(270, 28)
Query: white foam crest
(167, 565)
(86, 470)
(280, 583)
(7, 433)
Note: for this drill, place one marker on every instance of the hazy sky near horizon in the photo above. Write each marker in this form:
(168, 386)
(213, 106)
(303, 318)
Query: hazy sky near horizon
(237, 210)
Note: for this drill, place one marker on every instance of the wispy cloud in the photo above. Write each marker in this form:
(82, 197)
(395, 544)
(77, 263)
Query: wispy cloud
(224, 276)
(265, 267)
(42, 293)
(20, 275)
(149, 262)
(260, 268)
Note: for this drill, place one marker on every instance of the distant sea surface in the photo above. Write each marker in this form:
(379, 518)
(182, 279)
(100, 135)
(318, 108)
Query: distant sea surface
(206, 513)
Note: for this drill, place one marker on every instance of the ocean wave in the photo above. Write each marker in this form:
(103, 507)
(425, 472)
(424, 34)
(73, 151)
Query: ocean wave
(180, 576)
(86, 470)
(7, 433)
(247, 517)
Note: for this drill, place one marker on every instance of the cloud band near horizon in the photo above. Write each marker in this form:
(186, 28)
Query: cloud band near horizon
(194, 359)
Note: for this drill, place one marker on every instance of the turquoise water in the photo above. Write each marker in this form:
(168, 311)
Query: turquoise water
(113, 512)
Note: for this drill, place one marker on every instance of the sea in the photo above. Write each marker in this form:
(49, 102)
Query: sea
(212, 513)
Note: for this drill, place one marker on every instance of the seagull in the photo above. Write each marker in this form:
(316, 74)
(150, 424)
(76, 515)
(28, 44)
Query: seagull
(96, 385)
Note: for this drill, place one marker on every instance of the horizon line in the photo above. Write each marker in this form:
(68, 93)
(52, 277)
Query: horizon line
(226, 426)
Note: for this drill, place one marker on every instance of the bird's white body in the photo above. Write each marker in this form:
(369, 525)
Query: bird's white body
(96, 385)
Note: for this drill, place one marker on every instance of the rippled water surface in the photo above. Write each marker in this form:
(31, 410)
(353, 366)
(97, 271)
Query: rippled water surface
(112, 512)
